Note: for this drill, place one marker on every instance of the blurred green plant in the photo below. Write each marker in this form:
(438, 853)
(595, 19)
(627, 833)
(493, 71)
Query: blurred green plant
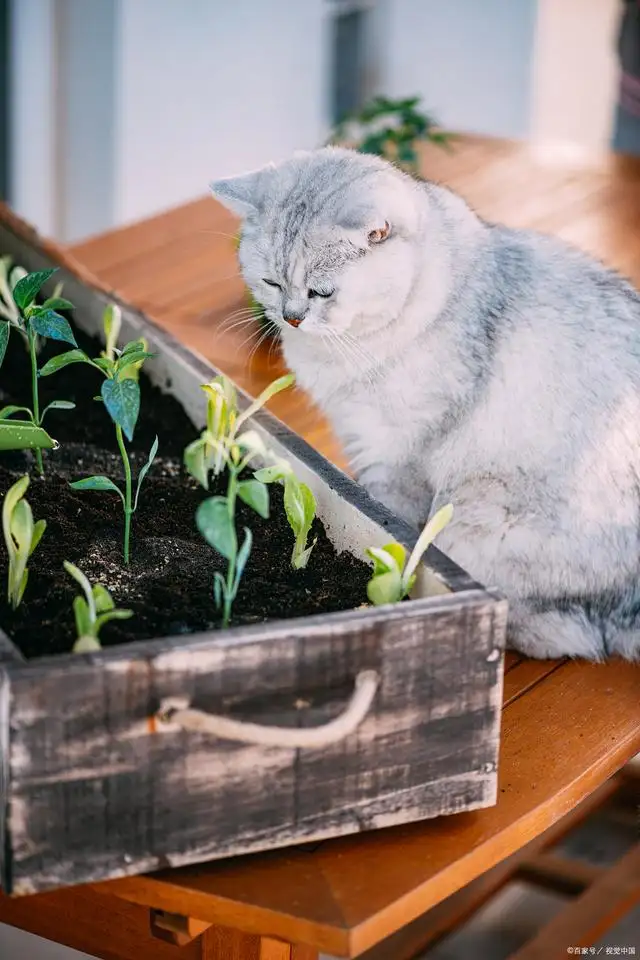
(391, 129)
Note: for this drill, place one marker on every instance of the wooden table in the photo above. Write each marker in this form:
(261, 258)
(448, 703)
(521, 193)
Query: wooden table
(567, 727)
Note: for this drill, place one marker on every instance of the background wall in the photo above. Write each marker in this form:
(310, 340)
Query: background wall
(228, 87)
(470, 61)
(575, 75)
(122, 108)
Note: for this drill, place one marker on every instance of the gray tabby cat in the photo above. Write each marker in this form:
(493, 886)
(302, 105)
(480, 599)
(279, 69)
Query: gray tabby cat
(462, 361)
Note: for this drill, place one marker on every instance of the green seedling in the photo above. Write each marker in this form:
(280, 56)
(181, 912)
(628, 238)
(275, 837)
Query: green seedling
(21, 536)
(120, 393)
(220, 446)
(9, 276)
(391, 129)
(299, 505)
(23, 434)
(393, 575)
(112, 322)
(19, 311)
(206, 455)
(92, 611)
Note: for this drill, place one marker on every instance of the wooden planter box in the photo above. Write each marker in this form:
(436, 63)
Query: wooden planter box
(93, 786)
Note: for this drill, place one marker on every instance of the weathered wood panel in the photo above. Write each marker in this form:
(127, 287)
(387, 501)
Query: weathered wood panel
(94, 792)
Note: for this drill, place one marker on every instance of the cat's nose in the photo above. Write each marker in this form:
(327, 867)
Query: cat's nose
(294, 319)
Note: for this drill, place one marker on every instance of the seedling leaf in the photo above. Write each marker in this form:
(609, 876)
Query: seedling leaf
(104, 364)
(436, 525)
(50, 324)
(5, 329)
(24, 435)
(219, 588)
(38, 529)
(385, 588)
(92, 611)
(387, 559)
(9, 410)
(57, 405)
(82, 617)
(144, 471)
(112, 615)
(97, 483)
(243, 556)
(215, 525)
(21, 537)
(102, 598)
(112, 321)
(131, 359)
(252, 445)
(122, 400)
(134, 346)
(276, 387)
(28, 288)
(196, 462)
(272, 474)
(300, 507)
(63, 360)
(57, 303)
(256, 495)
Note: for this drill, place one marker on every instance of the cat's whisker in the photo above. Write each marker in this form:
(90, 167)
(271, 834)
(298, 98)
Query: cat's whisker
(362, 350)
(218, 233)
(247, 340)
(367, 358)
(205, 313)
(344, 351)
(275, 341)
(351, 355)
(258, 344)
(239, 322)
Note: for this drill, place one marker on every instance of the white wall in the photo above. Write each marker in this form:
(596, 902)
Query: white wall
(122, 108)
(471, 60)
(32, 71)
(210, 87)
(575, 76)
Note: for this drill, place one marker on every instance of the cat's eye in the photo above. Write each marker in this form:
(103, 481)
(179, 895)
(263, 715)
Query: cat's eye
(319, 293)
(271, 283)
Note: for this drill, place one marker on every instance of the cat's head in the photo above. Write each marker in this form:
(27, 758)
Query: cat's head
(329, 239)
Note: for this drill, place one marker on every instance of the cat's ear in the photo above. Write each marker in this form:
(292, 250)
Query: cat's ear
(366, 227)
(379, 234)
(242, 195)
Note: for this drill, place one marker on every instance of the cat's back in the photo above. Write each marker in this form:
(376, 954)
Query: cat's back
(544, 283)
(562, 370)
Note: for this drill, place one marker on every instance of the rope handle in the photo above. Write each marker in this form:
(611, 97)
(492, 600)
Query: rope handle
(174, 713)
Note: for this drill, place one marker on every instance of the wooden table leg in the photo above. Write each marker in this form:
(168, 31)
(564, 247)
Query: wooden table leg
(112, 929)
(221, 943)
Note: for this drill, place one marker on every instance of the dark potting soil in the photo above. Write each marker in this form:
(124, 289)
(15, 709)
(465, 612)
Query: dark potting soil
(168, 583)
